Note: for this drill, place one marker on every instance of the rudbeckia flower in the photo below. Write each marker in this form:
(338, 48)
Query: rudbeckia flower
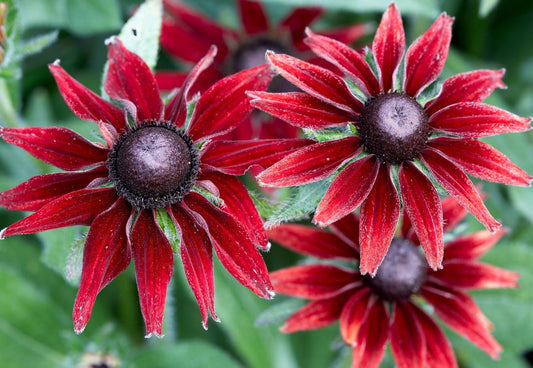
(394, 143)
(374, 311)
(187, 35)
(153, 163)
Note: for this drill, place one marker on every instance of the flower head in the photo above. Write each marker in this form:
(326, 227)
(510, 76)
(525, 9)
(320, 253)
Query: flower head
(385, 308)
(391, 133)
(154, 164)
(187, 35)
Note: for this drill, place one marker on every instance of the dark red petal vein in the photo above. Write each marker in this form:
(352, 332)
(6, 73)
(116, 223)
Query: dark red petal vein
(476, 119)
(455, 181)
(311, 163)
(300, 109)
(154, 263)
(105, 255)
(197, 257)
(235, 157)
(347, 191)
(379, 217)
(480, 159)
(425, 58)
(224, 106)
(424, 209)
(314, 281)
(407, 339)
(76, 208)
(312, 241)
(388, 46)
(86, 104)
(130, 79)
(39, 190)
(318, 82)
(352, 63)
(57, 146)
(233, 247)
(472, 86)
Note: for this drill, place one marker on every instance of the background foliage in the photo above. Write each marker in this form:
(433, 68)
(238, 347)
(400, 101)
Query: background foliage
(38, 274)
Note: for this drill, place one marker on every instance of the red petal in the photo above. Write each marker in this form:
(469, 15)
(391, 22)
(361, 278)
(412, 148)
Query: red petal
(472, 246)
(235, 157)
(379, 217)
(86, 104)
(197, 258)
(253, 17)
(407, 338)
(75, 208)
(424, 209)
(372, 337)
(57, 146)
(233, 247)
(312, 242)
(455, 181)
(129, 79)
(192, 46)
(476, 119)
(425, 58)
(300, 109)
(154, 263)
(314, 281)
(347, 191)
(39, 190)
(212, 32)
(439, 352)
(452, 213)
(317, 314)
(225, 105)
(354, 314)
(311, 163)
(318, 82)
(461, 314)
(176, 108)
(480, 159)
(238, 203)
(352, 63)
(105, 255)
(388, 46)
(472, 86)
(468, 274)
(347, 228)
(168, 80)
(298, 20)
(347, 34)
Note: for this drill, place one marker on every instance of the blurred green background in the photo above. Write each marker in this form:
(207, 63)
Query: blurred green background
(38, 273)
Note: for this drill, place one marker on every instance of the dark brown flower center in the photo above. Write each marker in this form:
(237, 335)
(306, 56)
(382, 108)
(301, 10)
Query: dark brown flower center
(394, 127)
(153, 165)
(401, 274)
(252, 53)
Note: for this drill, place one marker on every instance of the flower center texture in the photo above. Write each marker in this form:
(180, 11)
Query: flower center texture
(401, 274)
(252, 53)
(394, 127)
(153, 165)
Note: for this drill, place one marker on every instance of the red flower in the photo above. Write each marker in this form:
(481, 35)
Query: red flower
(153, 160)
(392, 127)
(374, 311)
(187, 35)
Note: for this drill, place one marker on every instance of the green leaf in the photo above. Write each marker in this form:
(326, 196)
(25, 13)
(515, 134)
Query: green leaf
(428, 8)
(62, 248)
(36, 44)
(486, 6)
(238, 308)
(79, 16)
(304, 200)
(141, 32)
(192, 354)
(279, 312)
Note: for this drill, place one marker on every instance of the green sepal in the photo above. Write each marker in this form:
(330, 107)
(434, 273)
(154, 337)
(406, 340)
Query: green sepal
(169, 229)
